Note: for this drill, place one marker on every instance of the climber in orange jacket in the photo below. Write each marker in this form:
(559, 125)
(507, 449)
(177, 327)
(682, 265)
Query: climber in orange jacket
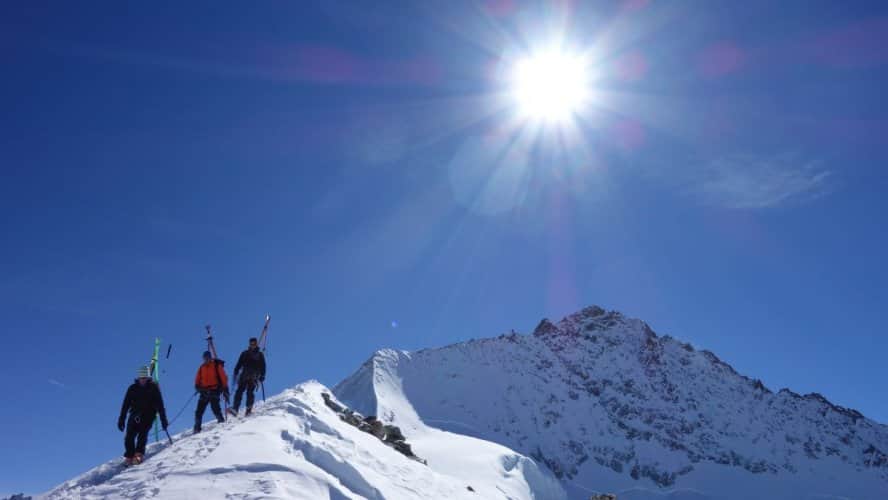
(211, 382)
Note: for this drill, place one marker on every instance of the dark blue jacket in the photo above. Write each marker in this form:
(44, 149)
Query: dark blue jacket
(143, 401)
(252, 362)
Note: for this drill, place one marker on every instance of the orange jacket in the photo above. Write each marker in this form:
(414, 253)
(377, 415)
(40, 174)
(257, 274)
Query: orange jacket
(211, 375)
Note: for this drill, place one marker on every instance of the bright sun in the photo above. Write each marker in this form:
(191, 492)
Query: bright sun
(550, 86)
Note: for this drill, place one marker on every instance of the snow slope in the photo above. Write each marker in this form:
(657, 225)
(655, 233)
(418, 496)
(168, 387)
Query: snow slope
(295, 447)
(602, 400)
(466, 456)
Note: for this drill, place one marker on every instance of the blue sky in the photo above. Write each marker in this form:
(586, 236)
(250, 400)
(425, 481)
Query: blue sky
(354, 172)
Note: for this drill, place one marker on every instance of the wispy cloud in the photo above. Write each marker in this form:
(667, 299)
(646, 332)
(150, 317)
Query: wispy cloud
(758, 182)
(56, 383)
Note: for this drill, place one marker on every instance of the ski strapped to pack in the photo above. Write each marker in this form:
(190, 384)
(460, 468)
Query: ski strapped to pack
(263, 337)
(211, 346)
(154, 371)
(263, 342)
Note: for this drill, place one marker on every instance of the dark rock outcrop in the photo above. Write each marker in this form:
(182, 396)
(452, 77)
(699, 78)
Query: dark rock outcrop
(391, 435)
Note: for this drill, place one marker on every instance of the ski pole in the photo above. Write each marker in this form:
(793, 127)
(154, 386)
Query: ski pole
(168, 436)
(183, 408)
(262, 385)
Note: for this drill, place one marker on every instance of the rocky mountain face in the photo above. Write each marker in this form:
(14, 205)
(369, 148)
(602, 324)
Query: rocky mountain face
(601, 399)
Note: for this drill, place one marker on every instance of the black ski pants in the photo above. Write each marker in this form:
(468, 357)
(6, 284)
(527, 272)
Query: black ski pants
(136, 437)
(207, 398)
(246, 383)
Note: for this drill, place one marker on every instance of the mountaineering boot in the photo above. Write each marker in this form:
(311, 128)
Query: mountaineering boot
(127, 461)
(248, 412)
(196, 429)
(138, 458)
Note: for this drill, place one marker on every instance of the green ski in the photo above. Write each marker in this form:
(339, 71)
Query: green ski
(155, 375)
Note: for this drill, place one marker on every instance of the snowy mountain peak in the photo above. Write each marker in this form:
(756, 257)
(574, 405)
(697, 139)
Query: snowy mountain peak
(603, 401)
(592, 317)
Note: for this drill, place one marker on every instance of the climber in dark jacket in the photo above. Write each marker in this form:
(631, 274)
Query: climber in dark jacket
(251, 366)
(143, 400)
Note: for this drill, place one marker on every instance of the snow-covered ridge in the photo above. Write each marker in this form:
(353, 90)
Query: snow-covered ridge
(603, 400)
(296, 447)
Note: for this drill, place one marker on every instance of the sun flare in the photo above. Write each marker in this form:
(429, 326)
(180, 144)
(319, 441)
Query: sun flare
(551, 86)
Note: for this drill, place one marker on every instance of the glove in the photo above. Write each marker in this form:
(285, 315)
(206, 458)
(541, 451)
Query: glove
(196, 388)
(120, 424)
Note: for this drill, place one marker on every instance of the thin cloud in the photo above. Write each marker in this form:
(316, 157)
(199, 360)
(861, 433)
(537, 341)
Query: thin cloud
(56, 383)
(756, 182)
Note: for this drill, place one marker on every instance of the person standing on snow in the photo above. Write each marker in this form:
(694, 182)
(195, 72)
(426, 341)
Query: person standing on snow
(211, 382)
(251, 366)
(143, 401)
